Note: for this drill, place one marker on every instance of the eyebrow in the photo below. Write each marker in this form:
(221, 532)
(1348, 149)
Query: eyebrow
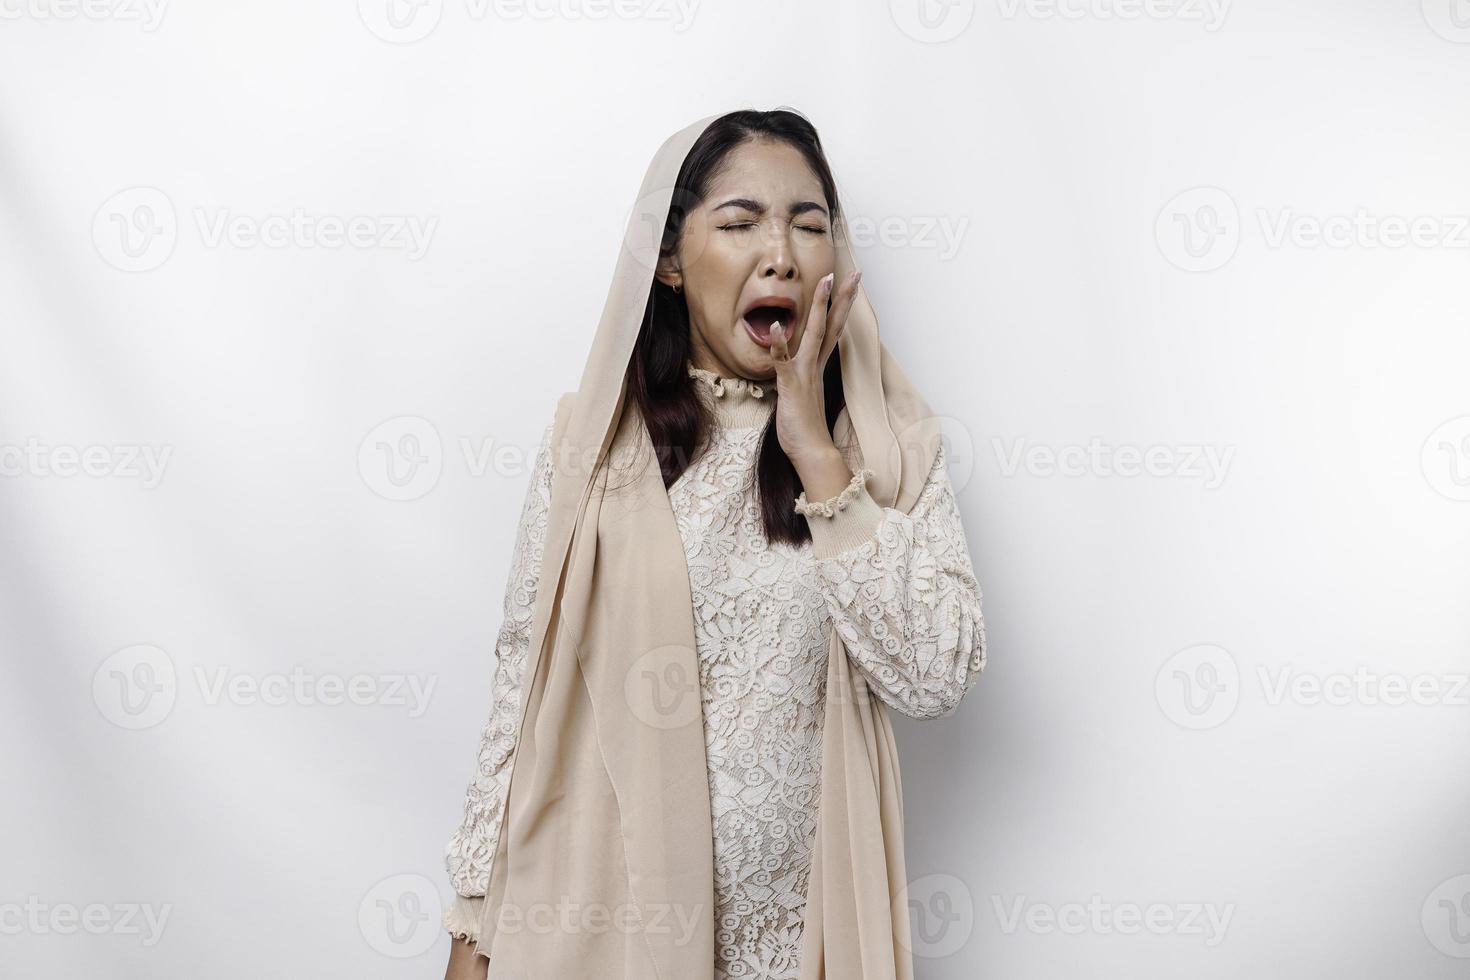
(746, 204)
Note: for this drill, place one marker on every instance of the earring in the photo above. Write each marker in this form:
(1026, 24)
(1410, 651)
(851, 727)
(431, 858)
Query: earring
(678, 288)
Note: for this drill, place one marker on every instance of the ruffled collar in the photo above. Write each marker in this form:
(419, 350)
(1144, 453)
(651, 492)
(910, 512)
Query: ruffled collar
(735, 402)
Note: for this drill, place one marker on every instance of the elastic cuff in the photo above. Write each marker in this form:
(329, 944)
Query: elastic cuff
(844, 522)
(828, 507)
(462, 917)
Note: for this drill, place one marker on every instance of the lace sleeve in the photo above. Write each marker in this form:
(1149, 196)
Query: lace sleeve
(903, 595)
(472, 847)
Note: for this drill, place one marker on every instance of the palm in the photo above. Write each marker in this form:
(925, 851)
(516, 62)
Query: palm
(801, 421)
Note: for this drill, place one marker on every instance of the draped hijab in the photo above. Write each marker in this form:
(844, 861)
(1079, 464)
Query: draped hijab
(604, 867)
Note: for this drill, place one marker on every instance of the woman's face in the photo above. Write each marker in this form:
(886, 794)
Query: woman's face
(760, 240)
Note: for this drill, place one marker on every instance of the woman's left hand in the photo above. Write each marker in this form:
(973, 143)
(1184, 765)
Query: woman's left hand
(801, 407)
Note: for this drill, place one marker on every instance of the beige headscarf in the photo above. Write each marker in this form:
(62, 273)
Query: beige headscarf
(604, 867)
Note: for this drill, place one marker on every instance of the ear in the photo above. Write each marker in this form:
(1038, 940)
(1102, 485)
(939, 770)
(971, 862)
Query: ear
(667, 271)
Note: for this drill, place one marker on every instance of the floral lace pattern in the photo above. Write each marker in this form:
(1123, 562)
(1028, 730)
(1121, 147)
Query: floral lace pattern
(472, 848)
(907, 605)
(904, 601)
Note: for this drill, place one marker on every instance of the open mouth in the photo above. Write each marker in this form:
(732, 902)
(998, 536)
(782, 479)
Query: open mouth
(759, 318)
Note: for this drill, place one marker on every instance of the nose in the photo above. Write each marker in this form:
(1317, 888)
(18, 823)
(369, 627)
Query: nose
(776, 256)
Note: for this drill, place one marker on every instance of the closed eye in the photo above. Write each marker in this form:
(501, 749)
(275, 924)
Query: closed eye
(751, 224)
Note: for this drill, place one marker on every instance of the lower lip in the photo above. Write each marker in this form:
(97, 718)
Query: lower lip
(763, 340)
(755, 335)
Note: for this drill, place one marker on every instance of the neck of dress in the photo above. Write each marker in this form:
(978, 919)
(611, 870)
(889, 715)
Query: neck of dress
(735, 403)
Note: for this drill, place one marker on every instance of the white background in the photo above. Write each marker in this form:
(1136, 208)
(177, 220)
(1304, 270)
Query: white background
(1114, 179)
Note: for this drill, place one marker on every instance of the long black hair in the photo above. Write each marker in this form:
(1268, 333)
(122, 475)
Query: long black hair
(657, 379)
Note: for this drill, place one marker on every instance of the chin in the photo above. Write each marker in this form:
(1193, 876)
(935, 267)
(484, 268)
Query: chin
(754, 362)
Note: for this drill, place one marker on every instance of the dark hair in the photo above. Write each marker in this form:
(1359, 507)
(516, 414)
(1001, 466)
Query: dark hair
(658, 382)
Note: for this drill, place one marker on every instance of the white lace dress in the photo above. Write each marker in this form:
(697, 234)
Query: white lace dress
(898, 587)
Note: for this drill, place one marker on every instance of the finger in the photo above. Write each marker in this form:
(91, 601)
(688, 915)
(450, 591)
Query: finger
(837, 316)
(816, 321)
(778, 343)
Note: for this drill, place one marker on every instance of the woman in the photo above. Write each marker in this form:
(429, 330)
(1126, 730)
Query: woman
(683, 776)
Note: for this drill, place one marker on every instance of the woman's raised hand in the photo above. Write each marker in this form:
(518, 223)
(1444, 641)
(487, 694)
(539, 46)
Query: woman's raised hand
(801, 415)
